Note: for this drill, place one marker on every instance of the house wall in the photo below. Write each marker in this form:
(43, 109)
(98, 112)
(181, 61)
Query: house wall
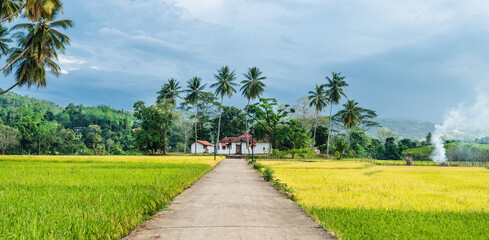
(200, 148)
(260, 148)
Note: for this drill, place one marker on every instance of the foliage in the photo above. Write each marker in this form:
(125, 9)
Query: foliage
(268, 174)
(46, 128)
(9, 137)
(169, 92)
(390, 202)
(232, 123)
(390, 149)
(38, 40)
(89, 197)
(419, 154)
(268, 116)
(155, 124)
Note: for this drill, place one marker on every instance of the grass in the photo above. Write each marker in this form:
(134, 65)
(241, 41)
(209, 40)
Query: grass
(356, 200)
(68, 197)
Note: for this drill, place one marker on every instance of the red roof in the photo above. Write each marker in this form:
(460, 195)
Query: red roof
(242, 138)
(205, 143)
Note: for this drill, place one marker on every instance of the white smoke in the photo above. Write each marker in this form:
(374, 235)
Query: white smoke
(462, 123)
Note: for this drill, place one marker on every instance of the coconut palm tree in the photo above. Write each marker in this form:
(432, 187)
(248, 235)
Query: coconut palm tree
(253, 87)
(10, 9)
(37, 52)
(4, 40)
(169, 91)
(224, 87)
(352, 115)
(194, 91)
(335, 87)
(319, 101)
(34, 10)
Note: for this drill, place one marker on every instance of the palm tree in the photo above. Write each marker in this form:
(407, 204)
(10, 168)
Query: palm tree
(9, 9)
(252, 88)
(351, 114)
(34, 10)
(335, 91)
(319, 100)
(169, 91)
(4, 40)
(194, 91)
(37, 51)
(224, 87)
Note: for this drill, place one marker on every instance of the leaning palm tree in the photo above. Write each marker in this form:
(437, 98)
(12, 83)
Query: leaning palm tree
(224, 87)
(37, 52)
(253, 87)
(10, 9)
(319, 101)
(34, 10)
(335, 91)
(194, 91)
(169, 92)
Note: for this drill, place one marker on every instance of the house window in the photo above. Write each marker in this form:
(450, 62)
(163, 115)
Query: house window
(263, 148)
(223, 147)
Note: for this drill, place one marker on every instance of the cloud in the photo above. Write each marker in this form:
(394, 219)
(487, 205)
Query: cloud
(414, 53)
(69, 63)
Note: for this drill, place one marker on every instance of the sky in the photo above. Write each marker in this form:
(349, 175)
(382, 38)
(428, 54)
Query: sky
(413, 59)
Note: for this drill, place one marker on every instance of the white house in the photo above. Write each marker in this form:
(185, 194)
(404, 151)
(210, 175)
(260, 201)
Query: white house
(202, 147)
(235, 145)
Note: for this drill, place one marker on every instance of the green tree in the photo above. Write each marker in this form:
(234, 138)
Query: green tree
(268, 116)
(37, 52)
(155, 124)
(9, 137)
(4, 41)
(391, 151)
(93, 137)
(9, 9)
(335, 87)
(169, 92)
(224, 87)
(319, 100)
(231, 121)
(340, 146)
(194, 92)
(252, 89)
(34, 10)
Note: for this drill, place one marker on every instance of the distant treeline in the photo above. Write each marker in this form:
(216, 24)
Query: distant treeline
(32, 126)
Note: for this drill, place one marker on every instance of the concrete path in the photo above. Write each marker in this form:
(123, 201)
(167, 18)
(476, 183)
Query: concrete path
(231, 202)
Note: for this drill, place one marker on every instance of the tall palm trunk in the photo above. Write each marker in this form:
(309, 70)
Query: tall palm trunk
(219, 125)
(247, 132)
(329, 130)
(195, 106)
(315, 128)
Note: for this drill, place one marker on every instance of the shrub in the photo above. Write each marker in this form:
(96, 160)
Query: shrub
(258, 166)
(268, 174)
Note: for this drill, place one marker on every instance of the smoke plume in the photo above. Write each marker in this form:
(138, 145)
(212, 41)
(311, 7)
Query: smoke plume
(462, 123)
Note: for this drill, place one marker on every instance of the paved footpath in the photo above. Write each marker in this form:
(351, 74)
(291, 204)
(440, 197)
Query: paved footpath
(231, 202)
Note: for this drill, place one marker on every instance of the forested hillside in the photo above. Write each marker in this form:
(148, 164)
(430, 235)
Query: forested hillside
(32, 126)
(405, 128)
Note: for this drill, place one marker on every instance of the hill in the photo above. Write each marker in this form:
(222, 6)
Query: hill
(405, 128)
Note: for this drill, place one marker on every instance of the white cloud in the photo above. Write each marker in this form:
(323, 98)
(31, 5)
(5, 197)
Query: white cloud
(69, 63)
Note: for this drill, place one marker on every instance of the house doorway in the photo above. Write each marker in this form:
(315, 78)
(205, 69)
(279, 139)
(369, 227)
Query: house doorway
(238, 148)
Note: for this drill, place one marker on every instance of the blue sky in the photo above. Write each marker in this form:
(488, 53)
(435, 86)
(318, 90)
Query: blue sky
(413, 59)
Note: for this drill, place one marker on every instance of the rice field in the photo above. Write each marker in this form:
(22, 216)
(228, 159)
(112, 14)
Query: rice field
(355, 200)
(51, 197)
